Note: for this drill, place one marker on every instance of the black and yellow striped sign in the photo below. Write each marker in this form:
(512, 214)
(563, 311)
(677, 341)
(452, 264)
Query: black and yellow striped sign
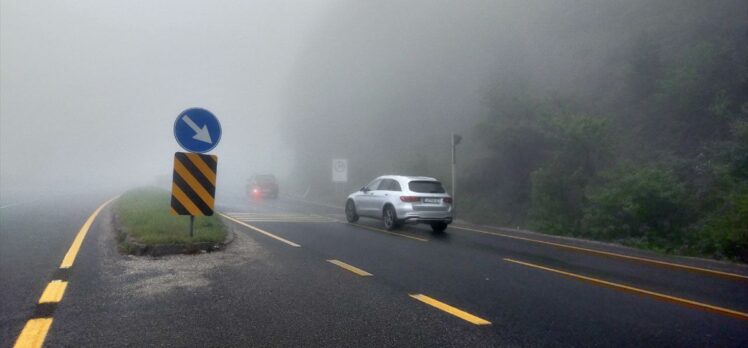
(193, 188)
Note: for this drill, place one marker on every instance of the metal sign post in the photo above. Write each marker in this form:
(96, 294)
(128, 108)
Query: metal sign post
(455, 140)
(192, 224)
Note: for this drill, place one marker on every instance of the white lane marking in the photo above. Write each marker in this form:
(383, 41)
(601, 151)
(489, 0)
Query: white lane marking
(262, 231)
(17, 204)
(279, 217)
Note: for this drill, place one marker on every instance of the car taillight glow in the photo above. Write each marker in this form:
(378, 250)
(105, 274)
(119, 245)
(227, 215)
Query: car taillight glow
(448, 200)
(409, 199)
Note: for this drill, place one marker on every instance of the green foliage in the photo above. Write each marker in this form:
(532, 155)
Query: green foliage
(697, 96)
(724, 231)
(516, 144)
(582, 142)
(556, 200)
(738, 155)
(646, 205)
(662, 164)
(557, 189)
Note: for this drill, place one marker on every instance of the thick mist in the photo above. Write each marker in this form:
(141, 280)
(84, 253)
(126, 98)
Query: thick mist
(89, 90)
(385, 83)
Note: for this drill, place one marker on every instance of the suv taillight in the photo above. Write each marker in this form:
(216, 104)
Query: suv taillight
(409, 199)
(448, 200)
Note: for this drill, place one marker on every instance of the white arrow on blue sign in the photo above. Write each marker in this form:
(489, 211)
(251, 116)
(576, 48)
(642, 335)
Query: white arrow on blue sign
(197, 130)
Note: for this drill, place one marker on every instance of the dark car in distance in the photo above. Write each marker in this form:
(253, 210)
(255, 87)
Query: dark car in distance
(262, 186)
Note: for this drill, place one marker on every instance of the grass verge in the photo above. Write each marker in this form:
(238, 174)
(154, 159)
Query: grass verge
(144, 215)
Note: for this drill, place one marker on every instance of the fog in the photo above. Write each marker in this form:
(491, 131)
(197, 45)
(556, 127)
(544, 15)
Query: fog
(384, 84)
(90, 89)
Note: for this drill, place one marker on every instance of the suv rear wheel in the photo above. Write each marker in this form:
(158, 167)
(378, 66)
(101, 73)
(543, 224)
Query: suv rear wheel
(390, 218)
(350, 211)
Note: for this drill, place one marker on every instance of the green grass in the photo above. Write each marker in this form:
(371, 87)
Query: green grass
(145, 215)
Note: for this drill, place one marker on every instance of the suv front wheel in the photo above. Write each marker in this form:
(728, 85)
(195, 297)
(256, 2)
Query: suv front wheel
(390, 218)
(350, 211)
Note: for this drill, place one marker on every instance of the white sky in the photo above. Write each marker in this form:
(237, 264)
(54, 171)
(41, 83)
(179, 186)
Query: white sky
(89, 90)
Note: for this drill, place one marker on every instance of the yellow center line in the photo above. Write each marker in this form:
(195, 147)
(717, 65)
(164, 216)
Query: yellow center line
(33, 333)
(54, 291)
(451, 310)
(261, 231)
(610, 254)
(657, 295)
(388, 232)
(67, 262)
(350, 268)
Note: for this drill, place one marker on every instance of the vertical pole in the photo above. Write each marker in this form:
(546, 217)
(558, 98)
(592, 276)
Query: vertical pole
(192, 223)
(454, 183)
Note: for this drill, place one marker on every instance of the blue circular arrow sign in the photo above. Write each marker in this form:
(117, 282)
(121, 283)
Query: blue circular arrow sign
(197, 130)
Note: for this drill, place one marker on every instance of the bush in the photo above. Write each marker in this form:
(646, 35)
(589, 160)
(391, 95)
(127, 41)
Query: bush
(646, 206)
(724, 231)
(557, 193)
(557, 199)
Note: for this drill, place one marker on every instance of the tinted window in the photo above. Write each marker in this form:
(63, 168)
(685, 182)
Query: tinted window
(389, 185)
(395, 186)
(384, 185)
(373, 185)
(426, 186)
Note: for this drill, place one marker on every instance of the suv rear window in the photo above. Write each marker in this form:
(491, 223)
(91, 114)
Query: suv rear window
(426, 186)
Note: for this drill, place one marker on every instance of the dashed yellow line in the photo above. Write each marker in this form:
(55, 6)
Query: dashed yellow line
(657, 295)
(54, 291)
(34, 333)
(392, 233)
(610, 254)
(262, 231)
(348, 267)
(67, 262)
(451, 310)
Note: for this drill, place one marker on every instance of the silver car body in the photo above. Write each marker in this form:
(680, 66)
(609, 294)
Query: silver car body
(429, 207)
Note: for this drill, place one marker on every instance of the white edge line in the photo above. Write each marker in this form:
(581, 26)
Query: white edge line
(261, 231)
(17, 204)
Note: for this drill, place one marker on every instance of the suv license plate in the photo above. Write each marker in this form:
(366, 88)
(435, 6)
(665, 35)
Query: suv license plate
(432, 200)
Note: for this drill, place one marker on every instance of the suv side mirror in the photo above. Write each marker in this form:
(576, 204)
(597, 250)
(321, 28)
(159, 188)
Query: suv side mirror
(364, 189)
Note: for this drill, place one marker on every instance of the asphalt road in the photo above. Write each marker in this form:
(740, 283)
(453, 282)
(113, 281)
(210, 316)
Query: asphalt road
(297, 275)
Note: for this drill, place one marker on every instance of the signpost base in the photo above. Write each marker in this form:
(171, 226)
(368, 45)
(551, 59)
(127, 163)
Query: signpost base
(192, 223)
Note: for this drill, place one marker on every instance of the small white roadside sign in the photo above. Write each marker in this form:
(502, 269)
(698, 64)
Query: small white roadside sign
(340, 170)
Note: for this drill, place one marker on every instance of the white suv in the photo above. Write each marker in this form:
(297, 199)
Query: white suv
(400, 199)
